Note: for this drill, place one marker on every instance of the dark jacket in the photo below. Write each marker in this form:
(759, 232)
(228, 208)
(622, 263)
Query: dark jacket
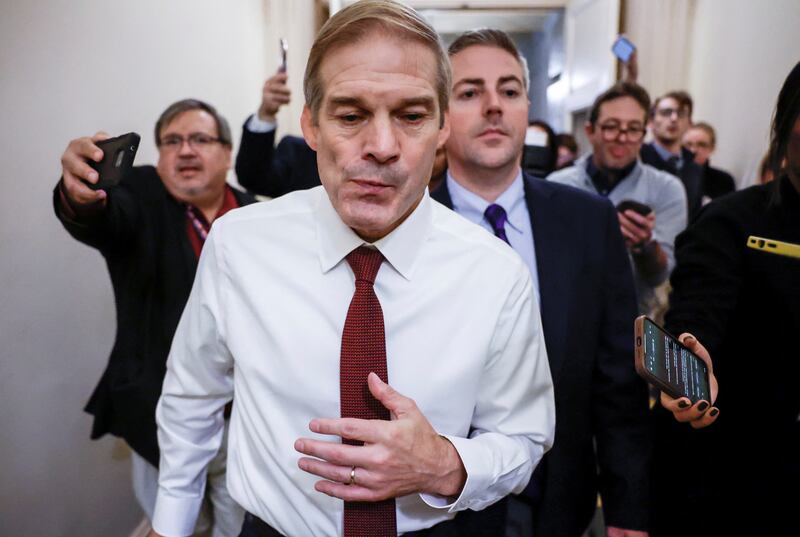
(716, 182)
(690, 174)
(142, 236)
(273, 171)
(738, 476)
(588, 305)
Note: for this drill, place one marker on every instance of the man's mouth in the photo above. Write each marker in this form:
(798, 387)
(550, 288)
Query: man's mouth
(492, 131)
(371, 186)
(189, 168)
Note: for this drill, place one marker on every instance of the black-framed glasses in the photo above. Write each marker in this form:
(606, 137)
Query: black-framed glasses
(197, 141)
(612, 131)
(667, 113)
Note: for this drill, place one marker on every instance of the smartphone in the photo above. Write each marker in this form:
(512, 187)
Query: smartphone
(667, 364)
(118, 154)
(635, 206)
(623, 48)
(772, 246)
(284, 51)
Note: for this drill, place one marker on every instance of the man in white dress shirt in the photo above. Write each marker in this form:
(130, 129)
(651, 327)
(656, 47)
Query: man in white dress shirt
(469, 394)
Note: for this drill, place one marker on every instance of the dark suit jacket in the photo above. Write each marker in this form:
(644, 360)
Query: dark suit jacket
(691, 175)
(739, 476)
(273, 171)
(588, 305)
(717, 182)
(142, 236)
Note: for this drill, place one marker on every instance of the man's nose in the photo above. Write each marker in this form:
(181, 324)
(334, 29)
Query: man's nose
(186, 148)
(382, 144)
(491, 103)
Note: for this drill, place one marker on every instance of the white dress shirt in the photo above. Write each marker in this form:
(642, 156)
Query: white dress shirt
(264, 321)
(518, 225)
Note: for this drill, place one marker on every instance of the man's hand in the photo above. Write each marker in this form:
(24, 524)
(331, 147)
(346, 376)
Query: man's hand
(637, 230)
(399, 457)
(76, 172)
(701, 414)
(619, 532)
(274, 95)
(630, 70)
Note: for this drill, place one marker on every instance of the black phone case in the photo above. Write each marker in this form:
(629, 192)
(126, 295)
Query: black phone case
(118, 155)
(639, 207)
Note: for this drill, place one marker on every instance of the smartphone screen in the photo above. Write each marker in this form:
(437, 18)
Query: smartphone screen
(672, 363)
(622, 49)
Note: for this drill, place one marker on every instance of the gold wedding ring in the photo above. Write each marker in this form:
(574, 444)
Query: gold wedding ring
(352, 476)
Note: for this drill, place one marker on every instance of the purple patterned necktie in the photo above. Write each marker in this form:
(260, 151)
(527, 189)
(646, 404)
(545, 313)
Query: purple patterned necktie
(497, 217)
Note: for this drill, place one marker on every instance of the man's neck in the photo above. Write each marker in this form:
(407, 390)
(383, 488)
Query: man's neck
(673, 146)
(485, 182)
(209, 205)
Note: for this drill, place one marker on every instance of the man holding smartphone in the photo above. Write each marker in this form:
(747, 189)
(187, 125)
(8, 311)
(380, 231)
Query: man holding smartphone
(150, 228)
(572, 246)
(616, 129)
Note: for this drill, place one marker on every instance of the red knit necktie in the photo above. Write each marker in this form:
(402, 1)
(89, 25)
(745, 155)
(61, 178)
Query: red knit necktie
(363, 352)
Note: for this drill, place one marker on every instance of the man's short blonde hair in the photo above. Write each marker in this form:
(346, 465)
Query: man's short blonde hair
(355, 22)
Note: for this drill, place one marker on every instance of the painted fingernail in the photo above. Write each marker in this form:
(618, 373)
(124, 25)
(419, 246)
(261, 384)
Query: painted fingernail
(683, 404)
(702, 406)
(713, 412)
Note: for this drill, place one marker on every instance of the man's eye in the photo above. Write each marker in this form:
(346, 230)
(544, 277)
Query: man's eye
(349, 118)
(171, 141)
(414, 117)
(511, 93)
(468, 94)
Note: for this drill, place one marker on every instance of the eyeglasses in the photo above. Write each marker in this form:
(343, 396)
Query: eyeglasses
(666, 113)
(197, 141)
(611, 132)
(691, 146)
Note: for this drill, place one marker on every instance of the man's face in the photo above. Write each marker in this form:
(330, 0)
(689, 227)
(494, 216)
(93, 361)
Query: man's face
(669, 121)
(193, 169)
(488, 111)
(377, 130)
(617, 136)
(698, 142)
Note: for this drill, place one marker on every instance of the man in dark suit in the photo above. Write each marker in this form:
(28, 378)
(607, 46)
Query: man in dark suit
(573, 246)
(263, 168)
(150, 229)
(670, 117)
(701, 140)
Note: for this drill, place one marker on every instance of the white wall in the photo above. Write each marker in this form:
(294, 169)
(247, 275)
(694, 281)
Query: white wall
(70, 68)
(741, 53)
(731, 55)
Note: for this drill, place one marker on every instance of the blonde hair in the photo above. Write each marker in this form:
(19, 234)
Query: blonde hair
(356, 21)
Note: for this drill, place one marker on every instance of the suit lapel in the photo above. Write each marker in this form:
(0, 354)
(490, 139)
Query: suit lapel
(555, 263)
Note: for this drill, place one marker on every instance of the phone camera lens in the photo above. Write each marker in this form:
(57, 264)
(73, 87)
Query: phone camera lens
(638, 341)
(760, 243)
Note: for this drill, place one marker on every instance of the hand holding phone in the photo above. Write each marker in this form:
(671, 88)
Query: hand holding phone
(118, 155)
(634, 206)
(681, 368)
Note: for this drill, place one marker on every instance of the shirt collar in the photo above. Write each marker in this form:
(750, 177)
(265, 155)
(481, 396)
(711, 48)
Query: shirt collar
(665, 153)
(400, 248)
(473, 207)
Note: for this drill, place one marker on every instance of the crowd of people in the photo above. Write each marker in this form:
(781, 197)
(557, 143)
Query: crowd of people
(358, 357)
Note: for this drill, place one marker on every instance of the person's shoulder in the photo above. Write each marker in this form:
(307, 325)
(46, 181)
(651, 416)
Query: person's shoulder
(742, 202)
(293, 143)
(660, 179)
(460, 234)
(278, 213)
(567, 176)
(566, 194)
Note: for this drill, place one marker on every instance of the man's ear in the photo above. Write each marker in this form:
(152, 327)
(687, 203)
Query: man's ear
(588, 129)
(444, 131)
(308, 127)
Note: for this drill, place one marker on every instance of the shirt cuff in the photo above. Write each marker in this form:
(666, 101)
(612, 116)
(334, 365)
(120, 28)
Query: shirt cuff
(175, 517)
(256, 124)
(476, 480)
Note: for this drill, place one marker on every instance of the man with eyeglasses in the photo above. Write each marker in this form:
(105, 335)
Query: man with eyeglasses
(615, 129)
(670, 118)
(150, 229)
